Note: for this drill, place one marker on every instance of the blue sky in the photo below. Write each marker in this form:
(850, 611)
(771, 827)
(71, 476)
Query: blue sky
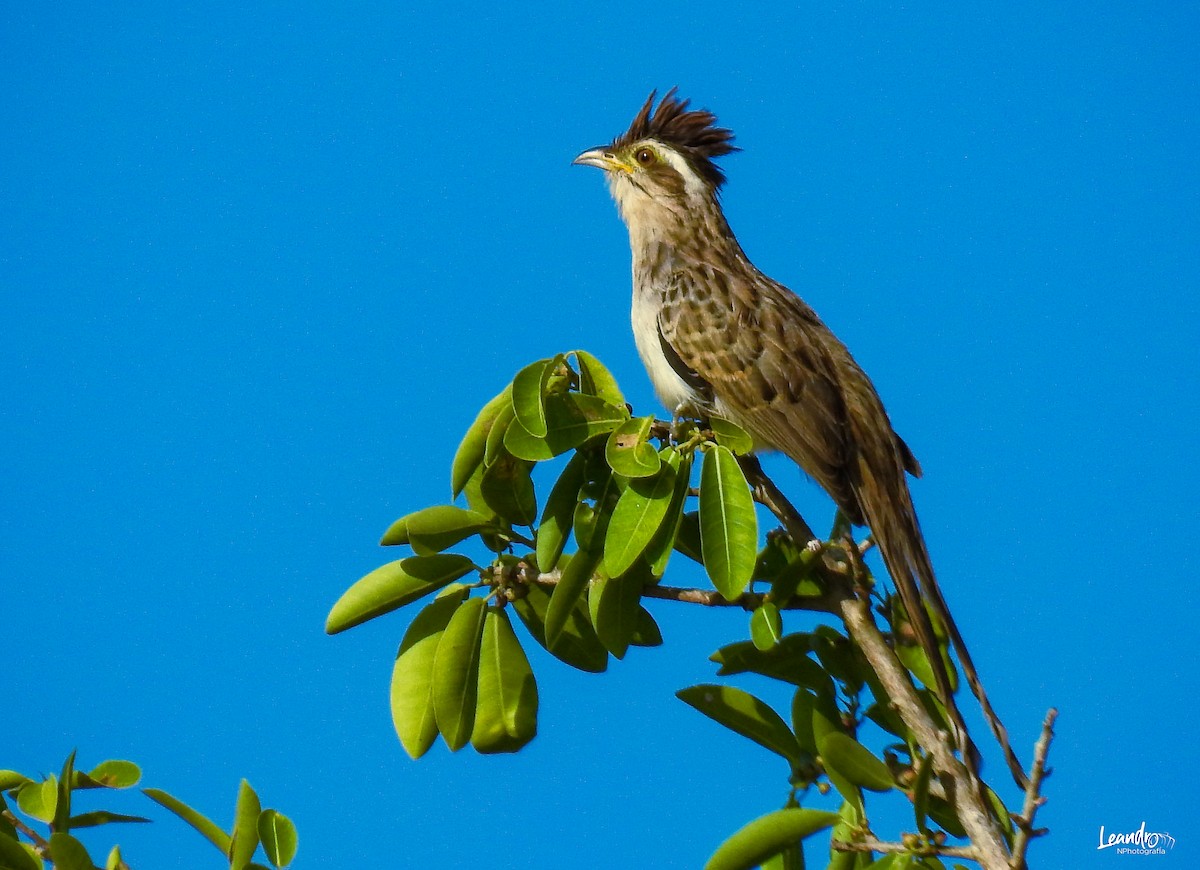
(261, 267)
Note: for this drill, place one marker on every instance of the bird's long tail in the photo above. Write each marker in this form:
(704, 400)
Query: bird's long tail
(897, 533)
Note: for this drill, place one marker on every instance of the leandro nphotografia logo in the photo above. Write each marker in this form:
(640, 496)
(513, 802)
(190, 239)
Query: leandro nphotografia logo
(1138, 842)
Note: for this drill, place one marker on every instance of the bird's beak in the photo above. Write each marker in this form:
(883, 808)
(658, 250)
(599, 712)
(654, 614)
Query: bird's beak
(601, 158)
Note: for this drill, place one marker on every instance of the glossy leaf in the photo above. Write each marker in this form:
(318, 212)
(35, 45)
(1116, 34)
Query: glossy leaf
(802, 720)
(639, 514)
(101, 817)
(62, 806)
(628, 451)
(39, 799)
(278, 836)
(767, 836)
(397, 533)
(747, 715)
(559, 513)
(826, 722)
(394, 585)
(687, 537)
(11, 779)
(731, 435)
(788, 661)
(854, 761)
(528, 396)
(572, 583)
(17, 856)
(68, 853)
(412, 676)
(493, 448)
(614, 605)
(244, 839)
(507, 705)
(728, 526)
(115, 861)
(645, 630)
(920, 792)
(766, 627)
(201, 823)
(508, 490)
(659, 550)
(471, 451)
(571, 420)
(596, 380)
(114, 773)
(456, 673)
(435, 528)
(577, 645)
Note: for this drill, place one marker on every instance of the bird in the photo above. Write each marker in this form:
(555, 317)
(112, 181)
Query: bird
(719, 337)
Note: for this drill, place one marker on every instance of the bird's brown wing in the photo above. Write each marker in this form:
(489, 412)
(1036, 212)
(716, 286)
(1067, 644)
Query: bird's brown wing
(767, 360)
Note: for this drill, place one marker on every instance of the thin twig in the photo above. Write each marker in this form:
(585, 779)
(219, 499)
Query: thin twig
(39, 842)
(1033, 797)
(769, 495)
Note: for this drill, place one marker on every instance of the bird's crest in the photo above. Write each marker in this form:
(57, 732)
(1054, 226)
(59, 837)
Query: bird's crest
(693, 133)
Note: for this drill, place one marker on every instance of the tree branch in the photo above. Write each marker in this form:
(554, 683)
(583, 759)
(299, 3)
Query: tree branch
(1033, 798)
(879, 846)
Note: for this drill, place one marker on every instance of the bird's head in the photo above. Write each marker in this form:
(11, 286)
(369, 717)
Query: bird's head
(665, 162)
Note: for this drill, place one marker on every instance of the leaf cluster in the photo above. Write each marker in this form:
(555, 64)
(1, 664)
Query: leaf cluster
(576, 567)
(37, 825)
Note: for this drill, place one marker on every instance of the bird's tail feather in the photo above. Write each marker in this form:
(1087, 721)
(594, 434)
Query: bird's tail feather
(898, 535)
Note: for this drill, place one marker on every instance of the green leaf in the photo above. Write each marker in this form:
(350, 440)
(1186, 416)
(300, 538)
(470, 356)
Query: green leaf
(39, 799)
(646, 631)
(639, 514)
(802, 720)
(11, 779)
(854, 761)
(101, 817)
(920, 792)
(470, 452)
(17, 856)
(596, 380)
(826, 722)
(115, 861)
(571, 420)
(412, 676)
(507, 705)
(244, 840)
(201, 823)
(728, 526)
(614, 605)
(659, 550)
(397, 533)
(731, 435)
(394, 585)
(528, 396)
(742, 712)
(62, 807)
(68, 853)
(493, 448)
(572, 583)
(791, 858)
(113, 773)
(628, 451)
(766, 627)
(435, 528)
(559, 513)
(456, 673)
(687, 537)
(278, 836)
(508, 490)
(788, 661)
(767, 836)
(577, 645)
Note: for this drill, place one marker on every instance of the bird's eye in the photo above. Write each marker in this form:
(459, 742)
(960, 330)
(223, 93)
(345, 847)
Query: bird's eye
(644, 156)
